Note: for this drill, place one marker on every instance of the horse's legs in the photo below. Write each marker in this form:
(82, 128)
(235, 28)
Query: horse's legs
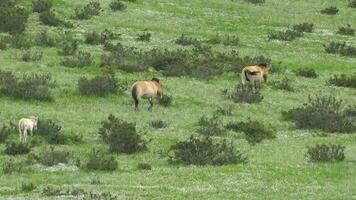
(136, 104)
(151, 104)
(25, 135)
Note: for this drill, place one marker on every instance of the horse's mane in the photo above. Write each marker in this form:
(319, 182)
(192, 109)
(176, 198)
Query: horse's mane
(155, 79)
(262, 64)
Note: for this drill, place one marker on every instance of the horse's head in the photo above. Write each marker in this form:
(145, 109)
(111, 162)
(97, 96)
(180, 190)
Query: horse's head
(35, 122)
(160, 87)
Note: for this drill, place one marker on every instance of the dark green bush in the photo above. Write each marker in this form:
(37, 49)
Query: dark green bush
(5, 132)
(43, 39)
(347, 30)
(306, 72)
(31, 55)
(49, 18)
(68, 48)
(340, 48)
(121, 136)
(50, 157)
(20, 41)
(158, 124)
(186, 40)
(144, 166)
(165, 101)
(277, 68)
(145, 36)
(88, 11)
(102, 38)
(41, 5)
(343, 80)
(303, 27)
(322, 112)
(27, 186)
(284, 84)
(100, 161)
(3, 44)
(287, 35)
(256, 2)
(47, 127)
(255, 131)
(57, 138)
(352, 3)
(117, 5)
(13, 17)
(11, 166)
(203, 151)
(81, 59)
(210, 126)
(101, 85)
(229, 40)
(325, 153)
(332, 10)
(245, 94)
(13, 148)
(223, 111)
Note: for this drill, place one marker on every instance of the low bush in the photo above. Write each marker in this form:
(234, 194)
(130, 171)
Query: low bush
(165, 101)
(20, 41)
(121, 136)
(11, 166)
(13, 148)
(306, 72)
(145, 36)
(13, 17)
(352, 3)
(5, 132)
(303, 27)
(101, 85)
(50, 157)
(242, 94)
(283, 84)
(3, 44)
(43, 39)
(277, 68)
(255, 131)
(326, 153)
(31, 55)
(144, 166)
(68, 48)
(343, 80)
(158, 124)
(332, 10)
(49, 18)
(223, 111)
(27, 186)
(81, 59)
(203, 151)
(93, 8)
(322, 112)
(256, 2)
(100, 161)
(99, 38)
(186, 40)
(210, 126)
(57, 138)
(287, 35)
(116, 5)
(229, 40)
(47, 127)
(41, 6)
(340, 48)
(346, 30)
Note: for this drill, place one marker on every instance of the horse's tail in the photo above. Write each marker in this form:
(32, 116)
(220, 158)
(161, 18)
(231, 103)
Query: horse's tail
(244, 77)
(135, 95)
(21, 127)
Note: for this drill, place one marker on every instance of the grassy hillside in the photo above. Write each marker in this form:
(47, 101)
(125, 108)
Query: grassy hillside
(277, 169)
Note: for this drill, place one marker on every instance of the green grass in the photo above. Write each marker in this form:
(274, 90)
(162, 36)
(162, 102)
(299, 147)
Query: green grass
(277, 169)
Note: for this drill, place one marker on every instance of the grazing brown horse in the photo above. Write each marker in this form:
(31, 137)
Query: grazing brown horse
(254, 75)
(146, 90)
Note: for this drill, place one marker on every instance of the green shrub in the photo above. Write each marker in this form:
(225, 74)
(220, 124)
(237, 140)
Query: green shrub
(144, 166)
(100, 195)
(101, 85)
(68, 48)
(57, 138)
(326, 153)
(116, 5)
(145, 36)
(88, 11)
(255, 131)
(245, 94)
(41, 5)
(165, 101)
(229, 40)
(186, 40)
(287, 35)
(332, 10)
(277, 68)
(13, 148)
(203, 151)
(322, 112)
(284, 84)
(5, 132)
(81, 59)
(95, 180)
(121, 136)
(306, 72)
(29, 55)
(3, 44)
(49, 18)
(303, 27)
(158, 124)
(256, 2)
(223, 111)
(10, 166)
(27, 186)
(43, 39)
(50, 157)
(20, 41)
(343, 80)
(210, 126)
(352, 3)
(100, 161)
(102, 38)
(347, 30)
(340, 48)
(13, 17)
(47, 127)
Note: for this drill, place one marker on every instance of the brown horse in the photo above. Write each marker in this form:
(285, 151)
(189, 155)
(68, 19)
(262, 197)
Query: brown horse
(146, 90)
(254, 75)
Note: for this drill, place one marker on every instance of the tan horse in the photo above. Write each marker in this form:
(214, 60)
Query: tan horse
(146, 90)
(254, 75)
(26, 125)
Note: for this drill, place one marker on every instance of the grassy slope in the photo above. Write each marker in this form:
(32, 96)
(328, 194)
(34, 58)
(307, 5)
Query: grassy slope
(277, 169)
